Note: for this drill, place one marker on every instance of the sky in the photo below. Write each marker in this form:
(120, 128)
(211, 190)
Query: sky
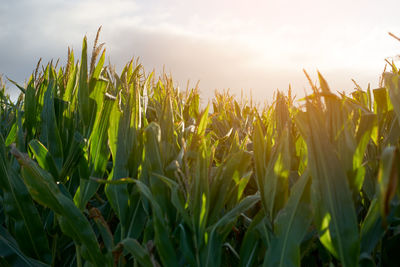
(252, 46)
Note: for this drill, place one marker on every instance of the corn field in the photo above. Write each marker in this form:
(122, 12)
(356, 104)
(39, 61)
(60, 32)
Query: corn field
(102, 169)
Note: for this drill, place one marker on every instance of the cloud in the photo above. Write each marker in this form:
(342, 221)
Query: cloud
(254, 45)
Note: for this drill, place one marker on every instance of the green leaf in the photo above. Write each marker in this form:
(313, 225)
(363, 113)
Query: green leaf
(335, 213)
(229, 183)
(201, 130)
(186, 245)
(103, 227)
(121, 142)
(23, 90)
(221, 229)
(98, 155)
(44, 158)
(12, 135)
(163, 240)
(83, 90)
(372, 229)
(50, 136)
(74, 157)
(252, 240)
(272, 176)
(16, 134)
(10, 252)
(133, 247)
(73, 223)
(153, 164)
(19, 206)
(291, 225)
(30, 108)
(68, 94)
(392, 83)
(363, 136)
(388, 179)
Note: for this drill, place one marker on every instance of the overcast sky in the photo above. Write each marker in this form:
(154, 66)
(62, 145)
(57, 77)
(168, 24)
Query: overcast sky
(251, 45)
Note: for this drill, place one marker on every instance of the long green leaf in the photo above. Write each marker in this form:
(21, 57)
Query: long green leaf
(98, 155)
(220, 229)
(19, 206)
(73, 223)
(291, 225)
(50, 136)
(44, 158)
(10, 252)
(335, 213)
(139, 253)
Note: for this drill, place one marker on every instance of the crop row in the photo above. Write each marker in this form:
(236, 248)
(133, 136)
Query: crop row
(101, 169)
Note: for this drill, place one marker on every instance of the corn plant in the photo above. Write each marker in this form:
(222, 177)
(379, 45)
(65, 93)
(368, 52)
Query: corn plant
(105, 169)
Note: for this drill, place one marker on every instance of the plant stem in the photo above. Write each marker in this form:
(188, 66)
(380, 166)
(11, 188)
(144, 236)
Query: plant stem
(78, 256)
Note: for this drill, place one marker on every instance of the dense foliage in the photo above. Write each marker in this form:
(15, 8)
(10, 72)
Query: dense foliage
(125, 170)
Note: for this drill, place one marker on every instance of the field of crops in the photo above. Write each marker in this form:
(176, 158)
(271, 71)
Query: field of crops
(106, 169)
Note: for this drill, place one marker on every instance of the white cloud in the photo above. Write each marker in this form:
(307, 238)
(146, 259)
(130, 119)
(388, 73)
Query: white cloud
(261, 45)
